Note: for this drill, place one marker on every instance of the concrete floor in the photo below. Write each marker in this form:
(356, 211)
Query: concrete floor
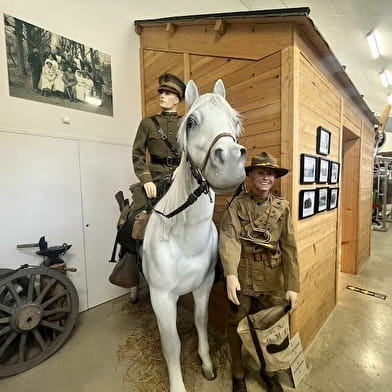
(350, 354)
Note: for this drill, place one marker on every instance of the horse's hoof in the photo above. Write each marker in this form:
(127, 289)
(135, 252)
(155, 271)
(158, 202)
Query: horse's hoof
(209, 374)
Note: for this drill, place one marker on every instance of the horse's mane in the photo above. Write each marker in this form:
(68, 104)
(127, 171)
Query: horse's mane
(184, 183)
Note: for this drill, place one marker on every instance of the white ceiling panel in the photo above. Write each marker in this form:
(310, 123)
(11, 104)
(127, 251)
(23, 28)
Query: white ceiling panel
(344, 24)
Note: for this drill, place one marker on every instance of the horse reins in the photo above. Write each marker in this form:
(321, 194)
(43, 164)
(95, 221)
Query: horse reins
(204, 186)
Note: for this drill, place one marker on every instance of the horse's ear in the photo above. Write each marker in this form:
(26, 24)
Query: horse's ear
(191, 93)
(219, 88)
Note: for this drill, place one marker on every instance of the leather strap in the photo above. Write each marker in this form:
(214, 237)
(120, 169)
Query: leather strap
(203, 188)
(164, 137)
(256, 342)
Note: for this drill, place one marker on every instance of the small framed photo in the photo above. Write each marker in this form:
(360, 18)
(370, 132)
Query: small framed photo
(334, 171)
(307, 202)
(333, 198)
(322, 199)
(322, 171)
(308, 169)
(323, 141)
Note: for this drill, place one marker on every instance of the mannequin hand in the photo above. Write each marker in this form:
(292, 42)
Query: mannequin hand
(151, 189)
(232, 285)
(292, 297)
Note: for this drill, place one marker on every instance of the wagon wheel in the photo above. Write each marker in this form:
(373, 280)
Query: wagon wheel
(38, 310)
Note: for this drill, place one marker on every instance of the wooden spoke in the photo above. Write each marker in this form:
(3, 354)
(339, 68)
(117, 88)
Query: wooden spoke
(22, 346)
(39, 339)
(6, 309)
(6, 344)
(53, 299)
(30, 290)
(5, 330)
(54, 326)
(45, 290)
(55, 311)
(14, 293)
(4, 320)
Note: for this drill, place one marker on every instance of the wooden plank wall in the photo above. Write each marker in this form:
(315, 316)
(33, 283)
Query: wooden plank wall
(318, 104)
(153, 64)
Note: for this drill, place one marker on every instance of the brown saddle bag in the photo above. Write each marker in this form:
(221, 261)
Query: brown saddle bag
(139, 226)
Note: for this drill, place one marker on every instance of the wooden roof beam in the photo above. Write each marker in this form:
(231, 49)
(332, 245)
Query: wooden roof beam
(171, 28)
(220, 27)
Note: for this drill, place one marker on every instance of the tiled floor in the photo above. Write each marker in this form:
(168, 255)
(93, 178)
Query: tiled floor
(350, 354)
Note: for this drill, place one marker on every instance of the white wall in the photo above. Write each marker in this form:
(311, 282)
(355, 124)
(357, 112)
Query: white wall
(59, 180)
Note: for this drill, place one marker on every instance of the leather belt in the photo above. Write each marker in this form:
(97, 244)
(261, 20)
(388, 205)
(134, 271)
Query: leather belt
(169, 161)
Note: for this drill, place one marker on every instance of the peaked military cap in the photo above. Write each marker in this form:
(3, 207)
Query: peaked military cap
(264, 159)
(171, 83)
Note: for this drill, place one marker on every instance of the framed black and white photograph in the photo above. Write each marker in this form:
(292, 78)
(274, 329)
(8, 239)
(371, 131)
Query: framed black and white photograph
(334, 170)
(323, 141)
(308, 169)
(46, 67)
(307, 203)
(322, 171)
(333, 198)
(322, 199)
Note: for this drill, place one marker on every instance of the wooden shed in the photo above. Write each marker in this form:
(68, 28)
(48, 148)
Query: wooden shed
(281, 75)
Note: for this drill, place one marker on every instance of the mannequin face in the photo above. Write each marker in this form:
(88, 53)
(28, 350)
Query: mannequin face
(168, 101)
(263, 179)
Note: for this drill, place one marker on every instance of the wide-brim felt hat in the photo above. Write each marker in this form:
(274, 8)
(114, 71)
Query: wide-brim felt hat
(171, 83)
(264, 159)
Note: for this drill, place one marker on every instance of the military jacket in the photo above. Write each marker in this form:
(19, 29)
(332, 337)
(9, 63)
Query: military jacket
(246, 224)
(148, 138)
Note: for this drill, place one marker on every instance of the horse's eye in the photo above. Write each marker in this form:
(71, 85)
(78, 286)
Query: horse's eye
(191, 122)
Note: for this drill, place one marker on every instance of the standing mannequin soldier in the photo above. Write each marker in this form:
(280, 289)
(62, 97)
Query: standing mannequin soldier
(162, 159)
(259, 257)
(36, 67)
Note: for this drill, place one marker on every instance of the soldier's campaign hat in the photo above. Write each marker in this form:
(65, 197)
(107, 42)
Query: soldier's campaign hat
(264, 159)
(171, 83)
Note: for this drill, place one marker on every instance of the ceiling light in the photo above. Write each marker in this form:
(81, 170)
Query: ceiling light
(375, 44)
(390, 99)
(385, 77)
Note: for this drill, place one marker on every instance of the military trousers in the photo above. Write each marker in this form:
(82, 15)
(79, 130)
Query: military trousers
(248, 305)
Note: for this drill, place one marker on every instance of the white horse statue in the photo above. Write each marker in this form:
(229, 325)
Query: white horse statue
(180, 249)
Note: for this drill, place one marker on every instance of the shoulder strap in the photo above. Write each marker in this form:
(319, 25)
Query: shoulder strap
(164, 137)
(256, 342)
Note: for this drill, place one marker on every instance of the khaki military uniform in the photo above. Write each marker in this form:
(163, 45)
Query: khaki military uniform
(264, 272)
(259, 268)
(148, 138)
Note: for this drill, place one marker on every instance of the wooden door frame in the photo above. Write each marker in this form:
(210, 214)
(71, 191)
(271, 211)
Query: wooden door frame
(349, 201)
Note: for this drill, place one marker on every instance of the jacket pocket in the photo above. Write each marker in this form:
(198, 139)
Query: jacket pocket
(275, 259)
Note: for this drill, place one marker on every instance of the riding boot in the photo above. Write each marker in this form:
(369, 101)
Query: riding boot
(134, 271)
(134, 294)
(239, 384)
(271, 381)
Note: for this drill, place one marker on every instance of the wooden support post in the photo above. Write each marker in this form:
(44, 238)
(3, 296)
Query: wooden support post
(220, 27)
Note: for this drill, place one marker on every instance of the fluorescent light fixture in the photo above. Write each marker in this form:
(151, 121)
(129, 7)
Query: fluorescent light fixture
(390, 99)
(385, 77)
(375, 44)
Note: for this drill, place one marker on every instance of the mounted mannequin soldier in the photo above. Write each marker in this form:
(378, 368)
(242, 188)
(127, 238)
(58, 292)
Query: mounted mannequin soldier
(259, 257)
(164, 155)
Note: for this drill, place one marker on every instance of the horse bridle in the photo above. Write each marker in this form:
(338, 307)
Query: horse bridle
(204, 186)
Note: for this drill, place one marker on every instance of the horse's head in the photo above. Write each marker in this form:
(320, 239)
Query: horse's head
(208, 136)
